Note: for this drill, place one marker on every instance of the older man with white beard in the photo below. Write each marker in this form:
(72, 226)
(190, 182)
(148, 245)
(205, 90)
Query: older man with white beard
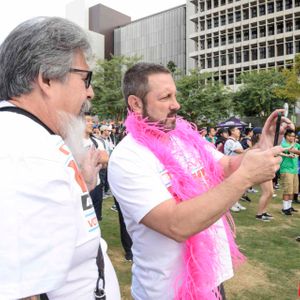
(50, 237)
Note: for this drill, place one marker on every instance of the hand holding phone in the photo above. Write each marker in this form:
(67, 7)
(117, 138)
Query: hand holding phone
(277, 129)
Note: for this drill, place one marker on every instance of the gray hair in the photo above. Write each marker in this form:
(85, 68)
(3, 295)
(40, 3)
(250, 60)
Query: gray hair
(42, 45)
(135, 81)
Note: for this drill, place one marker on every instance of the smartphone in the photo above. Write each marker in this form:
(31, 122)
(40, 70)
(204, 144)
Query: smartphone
(277, 129)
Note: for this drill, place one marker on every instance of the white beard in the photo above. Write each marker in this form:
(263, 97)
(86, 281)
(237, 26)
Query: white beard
(72, 130)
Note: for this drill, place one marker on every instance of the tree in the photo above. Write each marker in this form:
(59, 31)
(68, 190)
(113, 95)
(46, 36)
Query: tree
(258, 95)
(107, 84)
(202, 100)
(171, 66)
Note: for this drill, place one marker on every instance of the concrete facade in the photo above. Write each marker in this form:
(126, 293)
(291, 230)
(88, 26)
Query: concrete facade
(78, 12)
(159, 38)
(104, 20)
(229, 37)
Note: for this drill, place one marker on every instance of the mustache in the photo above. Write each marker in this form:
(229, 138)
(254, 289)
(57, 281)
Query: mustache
(85, 107)
(172, 113)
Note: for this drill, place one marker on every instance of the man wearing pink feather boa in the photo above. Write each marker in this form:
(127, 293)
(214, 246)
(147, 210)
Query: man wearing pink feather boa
(175, 190)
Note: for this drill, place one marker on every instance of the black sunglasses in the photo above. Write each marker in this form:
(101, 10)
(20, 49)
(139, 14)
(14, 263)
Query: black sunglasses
(88, 78)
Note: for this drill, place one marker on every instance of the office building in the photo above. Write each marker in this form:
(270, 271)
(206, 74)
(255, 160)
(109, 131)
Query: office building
(159, 38)
(228, 37)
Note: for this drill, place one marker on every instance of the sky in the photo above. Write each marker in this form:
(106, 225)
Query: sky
(13, 12)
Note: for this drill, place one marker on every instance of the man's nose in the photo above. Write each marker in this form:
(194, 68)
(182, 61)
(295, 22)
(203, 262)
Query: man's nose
(175, 104)
(90, 92)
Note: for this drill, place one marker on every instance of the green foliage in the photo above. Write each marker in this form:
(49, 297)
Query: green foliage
(203, 101)
(257, 96)
(297, 64)
(290, 91)
(107, 82)
(171, 66)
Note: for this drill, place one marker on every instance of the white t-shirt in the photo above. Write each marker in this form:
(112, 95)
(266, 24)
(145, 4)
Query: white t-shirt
(230, 146)
(48, 227)
(140, 183)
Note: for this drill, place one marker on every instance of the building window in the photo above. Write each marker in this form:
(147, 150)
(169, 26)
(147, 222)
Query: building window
(237, 37)
(223, 40)
(297, 3)
(271, 29)
(216, 61)
(246, 14)
(202, 63)
(202, 45)
(279, 5)
(297, 24)
(230, 39)
(208, 4)
(254, 33)
(230, 18)
(223, 20)
(297, 46)
(223, 60)
(209, 43)
(271, 51)
(246, 55)
(279, 27)
(246, 35)
(230, 79)
(254, 54)
(238, 57)
(270, 8)
(262, 31)
(289, 48)
(289, 26)
(208, 24)
(209, 63)
(216, 22)
(223, 2)
(288, 4)
(230, 58)
(237, 16)
(253, 12)
(262, 10)
(216, 41)
(280, 50)
(216, 3)
(262, 53)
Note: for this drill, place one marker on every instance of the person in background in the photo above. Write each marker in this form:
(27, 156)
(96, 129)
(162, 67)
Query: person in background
(211, 135)
(203, 132)
(222, 137)
(289, 171)
(92, 142)
(266, 188)
(246, 143)
(50, 236)
(233, 147)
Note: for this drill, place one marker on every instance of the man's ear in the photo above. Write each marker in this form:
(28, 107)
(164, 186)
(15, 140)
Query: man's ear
(43, 83)
(135, 104)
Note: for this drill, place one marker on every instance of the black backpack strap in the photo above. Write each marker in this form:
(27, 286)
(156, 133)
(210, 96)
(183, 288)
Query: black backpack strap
(100, 291)
(26, 113)
(94, 142)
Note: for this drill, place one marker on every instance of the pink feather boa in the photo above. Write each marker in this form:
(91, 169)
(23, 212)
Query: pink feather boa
(201, 260)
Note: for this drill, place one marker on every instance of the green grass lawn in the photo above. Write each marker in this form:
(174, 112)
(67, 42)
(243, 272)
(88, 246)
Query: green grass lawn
(272, 270)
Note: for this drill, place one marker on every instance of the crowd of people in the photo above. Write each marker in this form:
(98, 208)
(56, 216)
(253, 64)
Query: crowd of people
(173, 189)
(236, 140)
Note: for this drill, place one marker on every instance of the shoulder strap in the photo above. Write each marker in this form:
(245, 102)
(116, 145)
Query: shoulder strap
(94, 142)
(27, 114)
